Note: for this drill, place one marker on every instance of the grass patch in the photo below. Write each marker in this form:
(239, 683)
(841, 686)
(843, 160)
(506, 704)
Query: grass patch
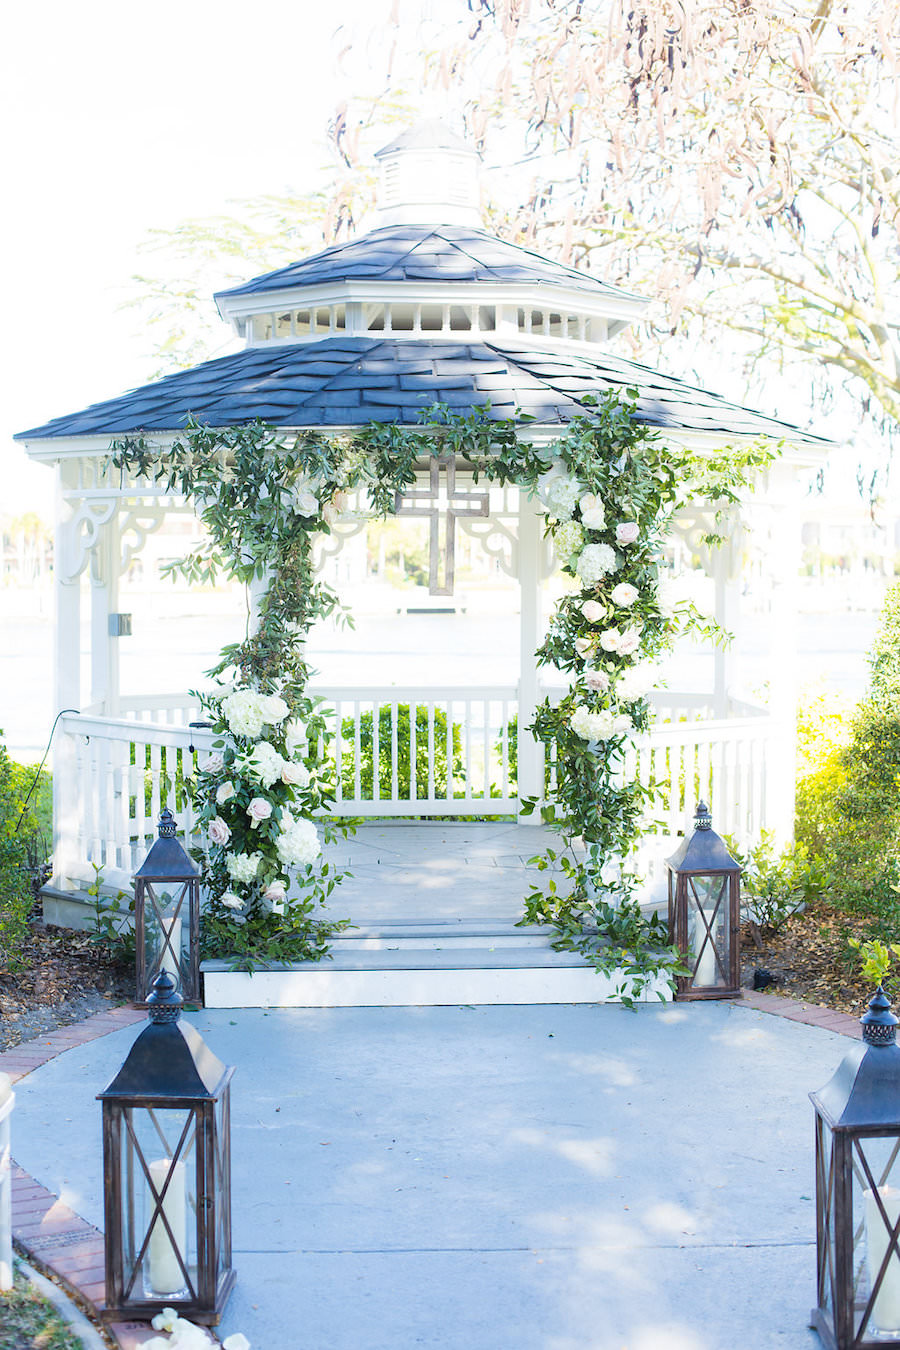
(29, 1322)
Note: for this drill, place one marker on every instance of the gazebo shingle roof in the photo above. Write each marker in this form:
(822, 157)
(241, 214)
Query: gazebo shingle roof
(459, 253)
(345, 381)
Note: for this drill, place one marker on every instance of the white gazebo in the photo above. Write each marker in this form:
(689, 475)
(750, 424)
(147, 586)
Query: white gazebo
(425, 308)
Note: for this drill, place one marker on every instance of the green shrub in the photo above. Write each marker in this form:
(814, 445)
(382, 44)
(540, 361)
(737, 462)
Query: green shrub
(773, 887)
(385, 740)
(848, 800)
(16, 896)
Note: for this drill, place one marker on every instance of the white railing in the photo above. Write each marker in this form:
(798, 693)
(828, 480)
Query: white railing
(113, 776)
(458, 739)
(111, 779)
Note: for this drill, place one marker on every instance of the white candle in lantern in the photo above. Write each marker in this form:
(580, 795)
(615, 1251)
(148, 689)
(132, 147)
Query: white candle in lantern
(705, 973)
(886, 1311)
(171, 929)
(166, 1275)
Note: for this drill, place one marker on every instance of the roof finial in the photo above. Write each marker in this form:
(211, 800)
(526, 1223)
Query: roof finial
(428, 176)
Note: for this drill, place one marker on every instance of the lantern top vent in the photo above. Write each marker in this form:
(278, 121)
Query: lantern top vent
(704, 851)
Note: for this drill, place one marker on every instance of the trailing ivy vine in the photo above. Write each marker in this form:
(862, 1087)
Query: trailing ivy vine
(609, 489)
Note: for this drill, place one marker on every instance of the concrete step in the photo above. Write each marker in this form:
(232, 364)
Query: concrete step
(441, 935)
(395, 977)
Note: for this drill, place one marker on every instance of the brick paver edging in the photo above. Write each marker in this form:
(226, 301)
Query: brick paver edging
(60, 1242)
(53, 1237)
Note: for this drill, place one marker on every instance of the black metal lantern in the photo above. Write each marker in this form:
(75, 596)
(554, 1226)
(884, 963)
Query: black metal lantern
(167, 915)
(858, 1191)
(705, 912)
(167, 1172)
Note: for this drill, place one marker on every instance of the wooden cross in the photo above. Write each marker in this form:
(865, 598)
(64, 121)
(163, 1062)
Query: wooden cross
(441, 503)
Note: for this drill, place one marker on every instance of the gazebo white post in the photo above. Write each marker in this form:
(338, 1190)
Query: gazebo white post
(530, 551)
(67, 677)
(726, 562)
(105, 564)
(784, 553)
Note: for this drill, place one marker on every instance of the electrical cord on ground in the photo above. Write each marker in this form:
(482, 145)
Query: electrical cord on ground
(37, 776)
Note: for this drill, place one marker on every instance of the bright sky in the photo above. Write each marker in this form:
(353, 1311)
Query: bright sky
(120, 118)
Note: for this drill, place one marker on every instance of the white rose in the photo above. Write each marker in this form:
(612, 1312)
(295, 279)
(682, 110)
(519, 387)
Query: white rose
(627, 533)
(593, 611)
(215, 764)
(598, 680)
(231, 901)
(629, 641)
(624, 594)
(224, 793)
(295, 736)
(272, 708)
(295, 775)
(584, 646)
(259, 809)
(219, 831)
(593, 516)
(610, 639)
(276, 890)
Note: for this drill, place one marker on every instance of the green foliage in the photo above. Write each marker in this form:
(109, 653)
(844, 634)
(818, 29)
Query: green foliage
(849, 795)
(773, 887)
(388, 729)
(875, 958)
(29, 1322)
(112, 926)
(16, 893)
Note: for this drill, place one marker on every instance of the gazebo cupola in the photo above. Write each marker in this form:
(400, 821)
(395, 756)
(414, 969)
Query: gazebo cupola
(428, 269)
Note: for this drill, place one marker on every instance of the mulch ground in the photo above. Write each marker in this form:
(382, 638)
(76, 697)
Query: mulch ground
(808, 960)
(62, 978)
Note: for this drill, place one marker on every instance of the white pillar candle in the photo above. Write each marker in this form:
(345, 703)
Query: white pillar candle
(171, 929)
(886, 1311)
(166, 1275)
(705, 973)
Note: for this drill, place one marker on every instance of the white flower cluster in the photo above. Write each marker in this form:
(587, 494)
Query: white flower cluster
(298, 843)
(598, 726)
(636, 681)
(595, 562)
(247, 711)
(568, 540)
(264, 764)
(185, 1335)
(242, 867)
(622, 644)
(559, 493)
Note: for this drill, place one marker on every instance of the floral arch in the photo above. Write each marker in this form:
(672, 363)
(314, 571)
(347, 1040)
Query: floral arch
(609, 490)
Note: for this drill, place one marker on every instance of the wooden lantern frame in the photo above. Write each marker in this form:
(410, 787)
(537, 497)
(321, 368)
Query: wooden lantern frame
(704, 855)
(167, 865)
(168, 1070)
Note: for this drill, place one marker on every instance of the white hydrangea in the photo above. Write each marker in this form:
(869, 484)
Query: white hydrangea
(559, 493)
(264, 764)
(593, 516)
(636, 681)
(568, 540)
(298, 843)
(592, 726)
(595, 562)
(669, 597)
(243, 866)
(243, 713)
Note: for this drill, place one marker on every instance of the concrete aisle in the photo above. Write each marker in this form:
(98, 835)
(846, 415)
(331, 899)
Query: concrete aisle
(532, 1178)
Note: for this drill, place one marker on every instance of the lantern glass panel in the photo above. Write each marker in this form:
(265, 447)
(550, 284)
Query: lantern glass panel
(166, 933)
(825, 1193)
(876, 1265)
(222, 1183)
(160, 1174)
(708, 929)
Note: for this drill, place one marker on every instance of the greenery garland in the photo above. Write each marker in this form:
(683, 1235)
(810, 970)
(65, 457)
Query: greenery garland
(609, 489)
